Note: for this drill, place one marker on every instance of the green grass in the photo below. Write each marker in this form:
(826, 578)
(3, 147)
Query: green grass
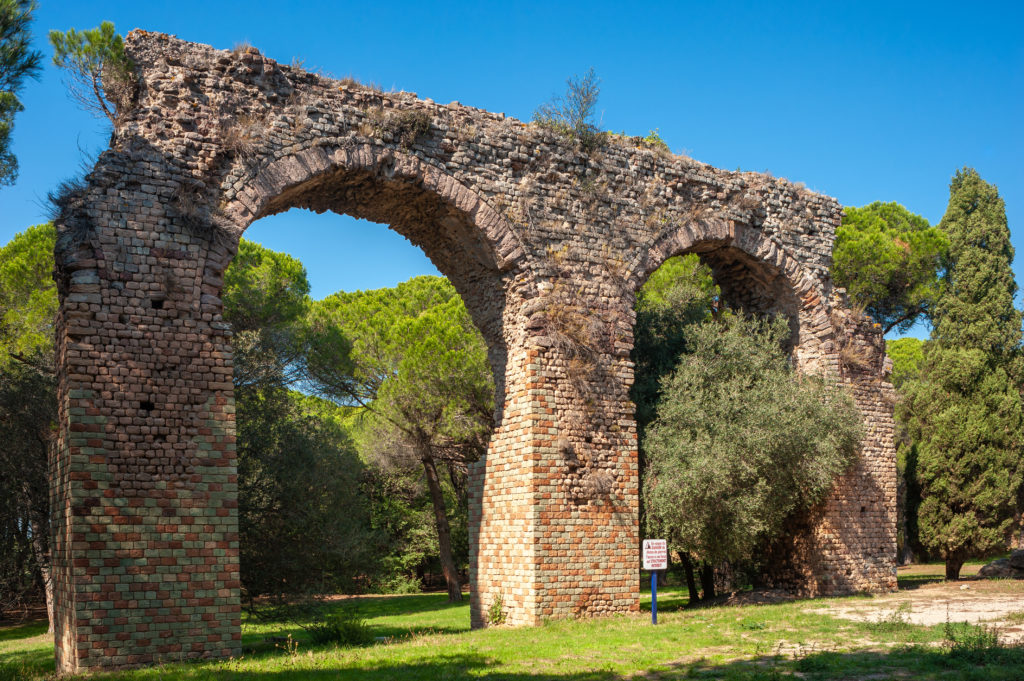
(430, 639)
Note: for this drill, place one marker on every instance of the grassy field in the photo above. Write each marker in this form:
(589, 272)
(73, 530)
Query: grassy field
(428, 638)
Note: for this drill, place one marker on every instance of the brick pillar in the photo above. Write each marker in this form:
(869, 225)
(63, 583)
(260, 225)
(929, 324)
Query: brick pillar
(554, 504)
(847, 544)
(501, 514)
(143, 484)
(856, 536)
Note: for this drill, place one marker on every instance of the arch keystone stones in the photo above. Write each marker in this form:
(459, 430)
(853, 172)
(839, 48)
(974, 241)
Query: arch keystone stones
(546, 244)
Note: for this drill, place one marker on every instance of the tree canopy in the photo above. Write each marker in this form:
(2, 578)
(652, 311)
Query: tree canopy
(906, 355)
(266, 299)
(28, 297)
(679, 293)
(977, 309)
(301, 528)
(419, 367)
(28, 411)
(371, 321)
(891, 262)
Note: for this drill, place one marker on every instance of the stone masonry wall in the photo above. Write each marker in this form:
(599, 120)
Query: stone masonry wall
(547, 244)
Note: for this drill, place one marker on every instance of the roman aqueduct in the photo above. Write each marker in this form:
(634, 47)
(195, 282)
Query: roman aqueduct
(546, 243)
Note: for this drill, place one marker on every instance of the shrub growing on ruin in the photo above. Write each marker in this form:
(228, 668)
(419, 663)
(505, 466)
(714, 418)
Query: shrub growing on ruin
(574, 114)
(100, 74)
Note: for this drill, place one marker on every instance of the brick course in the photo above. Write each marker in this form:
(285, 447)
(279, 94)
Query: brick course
(546, 244)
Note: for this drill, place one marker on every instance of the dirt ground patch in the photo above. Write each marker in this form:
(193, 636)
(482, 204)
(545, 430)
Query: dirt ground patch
(998, 603)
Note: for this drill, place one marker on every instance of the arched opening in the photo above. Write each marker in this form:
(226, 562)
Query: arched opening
(444, 223)
(464, 238)
(336, 250)
(716, 281)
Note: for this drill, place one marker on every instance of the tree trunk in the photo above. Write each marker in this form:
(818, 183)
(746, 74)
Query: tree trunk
(906, 556)
(42, 556)
(953, 566)
(444, 542)
(691, 583)
(458, 480)
(707, 581)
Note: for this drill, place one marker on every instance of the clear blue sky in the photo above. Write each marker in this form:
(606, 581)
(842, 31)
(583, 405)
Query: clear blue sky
(863, 101)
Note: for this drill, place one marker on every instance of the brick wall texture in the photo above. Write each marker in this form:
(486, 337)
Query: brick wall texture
(546, 243)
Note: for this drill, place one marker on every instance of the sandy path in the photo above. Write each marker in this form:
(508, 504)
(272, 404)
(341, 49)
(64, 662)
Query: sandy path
(999, 603)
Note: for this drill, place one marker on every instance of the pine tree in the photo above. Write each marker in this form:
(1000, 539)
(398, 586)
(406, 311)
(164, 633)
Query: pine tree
(964, 410)
(18, 61)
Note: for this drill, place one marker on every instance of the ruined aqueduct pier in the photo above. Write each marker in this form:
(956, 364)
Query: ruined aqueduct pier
(546, 243)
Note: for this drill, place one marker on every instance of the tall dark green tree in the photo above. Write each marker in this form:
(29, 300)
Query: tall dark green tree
(18, 61)
(906, 355)
(890, 261)
(964, 410)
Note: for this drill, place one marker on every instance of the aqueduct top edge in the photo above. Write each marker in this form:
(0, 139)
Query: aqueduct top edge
(223, 117)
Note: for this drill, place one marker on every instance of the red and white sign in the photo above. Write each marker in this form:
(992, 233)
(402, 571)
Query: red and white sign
(655, 554)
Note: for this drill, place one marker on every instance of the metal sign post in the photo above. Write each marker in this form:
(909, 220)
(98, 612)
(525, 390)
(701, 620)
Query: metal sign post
(655, 557)
(654, 597)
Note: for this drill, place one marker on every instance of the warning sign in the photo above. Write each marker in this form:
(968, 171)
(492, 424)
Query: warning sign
(655, 554)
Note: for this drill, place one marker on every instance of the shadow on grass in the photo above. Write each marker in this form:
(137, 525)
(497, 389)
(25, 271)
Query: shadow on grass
(671, 598)
(380, 606)
(911, 582)
(911, 662)
(1000, 664)
(27, 663)
(20, 631)
(270, 635)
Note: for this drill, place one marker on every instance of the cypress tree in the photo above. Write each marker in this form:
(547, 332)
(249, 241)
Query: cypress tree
(964, 409)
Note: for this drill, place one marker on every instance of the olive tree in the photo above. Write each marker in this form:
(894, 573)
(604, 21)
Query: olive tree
(740, 441)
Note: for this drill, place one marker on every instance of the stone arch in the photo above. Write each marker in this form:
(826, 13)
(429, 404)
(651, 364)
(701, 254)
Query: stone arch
(812, 557)
(710, 236)
(552, 242)
(460, 232)
(755, 273)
